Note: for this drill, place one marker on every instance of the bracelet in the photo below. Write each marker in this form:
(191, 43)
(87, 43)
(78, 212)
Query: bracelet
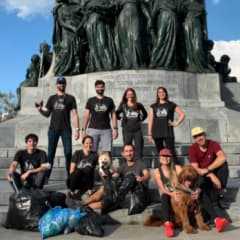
(116, 128)
(77, 129)
(83, 129)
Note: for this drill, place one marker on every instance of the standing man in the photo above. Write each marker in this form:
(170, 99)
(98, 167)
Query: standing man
(208, 158)
(33, 166)
(96, 120)
(60, 106)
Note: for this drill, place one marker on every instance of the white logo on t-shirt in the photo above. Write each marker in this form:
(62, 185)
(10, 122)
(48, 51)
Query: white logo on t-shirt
(28, 165)
(161, 112)
(131, 114)
(59, 104)
(83, 164)
(100, 107)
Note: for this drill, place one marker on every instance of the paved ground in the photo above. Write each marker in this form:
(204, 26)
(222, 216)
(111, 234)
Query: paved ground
(131, 232)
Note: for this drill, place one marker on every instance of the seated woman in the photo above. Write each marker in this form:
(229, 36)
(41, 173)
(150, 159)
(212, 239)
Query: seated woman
(166, 180)
(82, 169)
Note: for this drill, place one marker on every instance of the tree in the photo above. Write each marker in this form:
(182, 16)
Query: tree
(8, 104)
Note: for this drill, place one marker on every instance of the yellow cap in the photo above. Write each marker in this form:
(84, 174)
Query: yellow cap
(197, 131)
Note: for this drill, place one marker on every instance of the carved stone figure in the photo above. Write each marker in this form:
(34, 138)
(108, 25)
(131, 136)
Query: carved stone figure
(32, 76)
(224, 70)
(164, 20)
(180, 33)
(195, 37)
(131, 38)
(99, 30)
(45, 58)
(68, 38)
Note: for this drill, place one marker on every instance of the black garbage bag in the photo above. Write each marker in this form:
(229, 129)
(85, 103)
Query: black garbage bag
(57, 199)
(91, 224)
(26, 208)
(139, 199)
(128, 183)
(110, 194)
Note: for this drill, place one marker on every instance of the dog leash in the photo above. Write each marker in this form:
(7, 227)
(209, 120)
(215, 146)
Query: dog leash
(182, 188)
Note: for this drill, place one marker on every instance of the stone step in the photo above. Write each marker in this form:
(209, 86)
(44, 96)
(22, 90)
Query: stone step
(6, 189)
(181, 149)
(232, 197)
(58, 178)
(150, 161)
(121, 216)
(59, 174)
(232, 151)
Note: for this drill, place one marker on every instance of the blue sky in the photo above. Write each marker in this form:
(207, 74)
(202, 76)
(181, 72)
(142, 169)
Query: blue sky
(24, 24)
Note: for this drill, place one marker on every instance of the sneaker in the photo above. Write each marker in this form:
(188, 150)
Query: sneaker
(221, 223)
(168, 229)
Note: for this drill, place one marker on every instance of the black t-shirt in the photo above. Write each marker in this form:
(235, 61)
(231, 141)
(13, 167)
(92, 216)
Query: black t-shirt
(131, 117)
(162, 113)
(83, 161)
(137, 169)
(30, 161)
(60, 108)
(100, 110)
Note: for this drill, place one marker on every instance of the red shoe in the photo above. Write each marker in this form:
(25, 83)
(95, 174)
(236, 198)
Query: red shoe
(221, 223)
(168, 229)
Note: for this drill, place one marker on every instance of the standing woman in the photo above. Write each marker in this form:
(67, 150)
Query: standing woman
(161, 121)
(132, 114)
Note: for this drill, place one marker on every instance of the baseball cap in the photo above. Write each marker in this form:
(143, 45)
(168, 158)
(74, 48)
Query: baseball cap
(61, 80)
(197, 130)
(165, 152)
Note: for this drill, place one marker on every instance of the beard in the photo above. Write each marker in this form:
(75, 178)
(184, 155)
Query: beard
(61, 88)
(100, 92)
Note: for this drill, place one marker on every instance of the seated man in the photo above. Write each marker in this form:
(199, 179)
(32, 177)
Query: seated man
(209, 160)
(33, 166)
(131, 166)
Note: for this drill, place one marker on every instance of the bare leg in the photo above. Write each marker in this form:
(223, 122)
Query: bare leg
(96, 205)
(95, 197)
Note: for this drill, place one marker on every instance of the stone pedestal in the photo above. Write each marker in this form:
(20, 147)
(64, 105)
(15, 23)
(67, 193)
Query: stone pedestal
(186, 89)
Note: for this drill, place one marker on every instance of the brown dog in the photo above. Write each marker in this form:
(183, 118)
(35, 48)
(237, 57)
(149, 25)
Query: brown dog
(187, 210)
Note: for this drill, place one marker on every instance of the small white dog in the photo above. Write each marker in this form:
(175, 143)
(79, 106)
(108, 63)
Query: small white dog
(105, 164)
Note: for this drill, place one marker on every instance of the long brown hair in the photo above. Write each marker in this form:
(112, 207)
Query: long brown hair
(124, 97)
(166, 92)
(173, 174)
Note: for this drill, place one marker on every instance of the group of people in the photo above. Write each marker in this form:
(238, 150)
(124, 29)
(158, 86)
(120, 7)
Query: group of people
(99, 129)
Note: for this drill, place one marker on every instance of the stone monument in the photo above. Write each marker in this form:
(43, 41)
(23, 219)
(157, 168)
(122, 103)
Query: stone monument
(140, 44)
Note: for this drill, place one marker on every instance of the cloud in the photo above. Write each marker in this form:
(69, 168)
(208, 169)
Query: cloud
(27, 8)
(216, 1)
(232, 49)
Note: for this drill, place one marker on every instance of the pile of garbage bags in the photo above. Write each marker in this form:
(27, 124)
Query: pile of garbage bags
(52, 213)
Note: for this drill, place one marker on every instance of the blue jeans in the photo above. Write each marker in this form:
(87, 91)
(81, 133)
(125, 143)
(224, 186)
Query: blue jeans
(53, 137)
